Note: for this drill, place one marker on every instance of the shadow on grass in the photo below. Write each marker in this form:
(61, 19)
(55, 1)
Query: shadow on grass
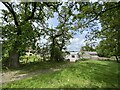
(32, 66)
(87, 74)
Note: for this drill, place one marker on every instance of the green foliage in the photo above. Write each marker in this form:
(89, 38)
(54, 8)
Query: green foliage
(25, 23)
(110, 44)
(58, 54)
(104, 49)
(18, 26)
(107, 14)
(83, 74)
(87, 48)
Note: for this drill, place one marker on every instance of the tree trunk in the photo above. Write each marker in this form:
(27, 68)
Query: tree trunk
(13, 60)
(117, 59)
(52, 56)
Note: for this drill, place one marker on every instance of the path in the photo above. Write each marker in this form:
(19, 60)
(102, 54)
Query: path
(15, 75)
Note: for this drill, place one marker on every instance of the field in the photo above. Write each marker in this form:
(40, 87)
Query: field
(81, 74)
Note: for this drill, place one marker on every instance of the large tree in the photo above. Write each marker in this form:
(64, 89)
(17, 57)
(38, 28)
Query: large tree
(107, 13)
(24, 24)
(62, 30)
(111, 29)
(19, 27)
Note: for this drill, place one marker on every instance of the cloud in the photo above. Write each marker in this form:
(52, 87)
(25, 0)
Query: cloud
(76, 46)
(76, 42)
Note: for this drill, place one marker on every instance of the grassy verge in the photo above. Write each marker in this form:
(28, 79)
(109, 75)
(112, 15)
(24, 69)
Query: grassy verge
(82, 74)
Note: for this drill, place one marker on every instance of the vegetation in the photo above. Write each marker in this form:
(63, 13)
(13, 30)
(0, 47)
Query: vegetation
(103, 50)
(110, 33)
(32, 63)
(87, 47)
(82, 74)
(36, 66)
(26, 23)
(19, 21)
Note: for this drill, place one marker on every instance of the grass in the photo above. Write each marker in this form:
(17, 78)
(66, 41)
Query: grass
(33, 63)
(30, 67)
(82, 74)
(34, 66)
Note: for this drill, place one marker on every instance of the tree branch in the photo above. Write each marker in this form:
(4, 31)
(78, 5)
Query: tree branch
(56, 8)
(26, 4)
(33, 11)
(99, 14)
(10, 8)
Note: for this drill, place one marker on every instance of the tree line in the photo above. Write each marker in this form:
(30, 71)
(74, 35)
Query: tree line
(24, 23)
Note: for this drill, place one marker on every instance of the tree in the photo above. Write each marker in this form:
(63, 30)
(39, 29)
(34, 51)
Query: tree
(25, 23)
(110, 30)
(19, 28)
(106, 13)
(87, 47)
(60, 35)
(105, 49)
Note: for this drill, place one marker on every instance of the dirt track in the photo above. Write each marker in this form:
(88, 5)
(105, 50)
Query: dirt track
(16, 75)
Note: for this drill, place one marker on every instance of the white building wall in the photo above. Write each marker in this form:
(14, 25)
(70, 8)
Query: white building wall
(71, 58)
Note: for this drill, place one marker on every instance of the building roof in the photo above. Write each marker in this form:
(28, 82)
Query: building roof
(74, 53)
(91, 53)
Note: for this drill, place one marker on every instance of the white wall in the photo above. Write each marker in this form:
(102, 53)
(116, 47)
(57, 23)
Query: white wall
(72, 59)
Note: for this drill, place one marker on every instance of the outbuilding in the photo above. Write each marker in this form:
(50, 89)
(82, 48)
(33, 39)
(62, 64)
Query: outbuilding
(90, 55)
(72, 56)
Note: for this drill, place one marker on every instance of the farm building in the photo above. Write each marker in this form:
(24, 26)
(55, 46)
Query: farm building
(72, 56)
(89, 55)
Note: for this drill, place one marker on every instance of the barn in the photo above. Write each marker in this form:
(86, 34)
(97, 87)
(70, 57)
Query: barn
(89, 55)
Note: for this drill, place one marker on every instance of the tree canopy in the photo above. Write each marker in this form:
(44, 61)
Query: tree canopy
(26, 22)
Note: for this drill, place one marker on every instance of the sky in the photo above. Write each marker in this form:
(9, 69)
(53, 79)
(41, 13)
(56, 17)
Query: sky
(76, 42)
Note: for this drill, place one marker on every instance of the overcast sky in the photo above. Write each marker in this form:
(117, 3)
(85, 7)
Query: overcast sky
(76, 42)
